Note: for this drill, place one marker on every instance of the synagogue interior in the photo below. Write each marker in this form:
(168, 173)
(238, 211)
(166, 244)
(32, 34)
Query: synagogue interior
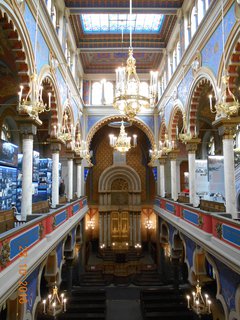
(120, 159)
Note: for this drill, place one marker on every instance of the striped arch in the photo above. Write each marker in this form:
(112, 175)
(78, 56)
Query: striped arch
(234, 68)
(137, 122)
(176, 114)
(14, 26)
(162, 131)
(200, 82)
(232, 54)
(49, 83)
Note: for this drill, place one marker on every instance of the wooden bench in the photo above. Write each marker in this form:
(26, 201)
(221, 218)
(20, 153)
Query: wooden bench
(6, 220)
(40, 207)
(212, 206)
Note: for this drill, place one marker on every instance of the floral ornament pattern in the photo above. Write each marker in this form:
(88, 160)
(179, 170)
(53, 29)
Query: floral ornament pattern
(218, 228)
(4, 254)
(200, 221)
(41, 229)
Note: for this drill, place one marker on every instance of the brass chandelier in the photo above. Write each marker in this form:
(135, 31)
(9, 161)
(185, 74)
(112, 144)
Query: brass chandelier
(128, 98)
(199, 304)
(32, 103)
(54, 304)
(122, 143)
(186, 134)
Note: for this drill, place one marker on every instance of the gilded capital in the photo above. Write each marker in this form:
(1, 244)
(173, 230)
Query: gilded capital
(227, 127)
(191, 145)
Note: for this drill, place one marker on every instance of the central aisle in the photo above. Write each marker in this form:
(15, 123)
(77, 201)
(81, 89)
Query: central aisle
(123, 303)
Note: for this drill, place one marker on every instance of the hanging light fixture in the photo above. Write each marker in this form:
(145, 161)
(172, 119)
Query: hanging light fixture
(64, 132)
(80, 147)
(186, 135)
(148, 224)
(32, 103)
(227, 104)
(122, 143)
(166, 146)
(199, 304)
(54, 304)
(128, 99)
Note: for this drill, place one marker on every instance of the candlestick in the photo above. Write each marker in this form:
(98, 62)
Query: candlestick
(209, 304)
(188, 301)
(210, 101)
(64, 304)
(44, 306)
(49, 99)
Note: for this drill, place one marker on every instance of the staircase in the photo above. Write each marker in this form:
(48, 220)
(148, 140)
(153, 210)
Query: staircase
(85, 304)
(147, 278)
(164, 303)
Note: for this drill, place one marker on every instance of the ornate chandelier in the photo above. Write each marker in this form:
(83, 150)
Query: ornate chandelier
(54, 304)
(122, 143)
(64, 132)
(166, 146)
(128, 99)
(186, 135)
(80, 147)
(198, 304)
(33, 103)
(226, 105)
(148, 224)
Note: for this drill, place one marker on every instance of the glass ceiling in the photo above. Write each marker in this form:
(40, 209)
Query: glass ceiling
(115, 23)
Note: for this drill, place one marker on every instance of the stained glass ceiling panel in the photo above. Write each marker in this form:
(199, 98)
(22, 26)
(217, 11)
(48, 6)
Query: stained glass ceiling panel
(115, 23)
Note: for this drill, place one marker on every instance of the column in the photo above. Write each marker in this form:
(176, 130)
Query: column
(134, 228)
(79, 175)
(131, 229)
(139, 227)
(70, 178)
(227, 128)
(158, 180)
(173, 162)
(162, 162)
(55, 147)
(100, 229)
(27, 163)
(105, 229)
(192, 148)
(109, 229)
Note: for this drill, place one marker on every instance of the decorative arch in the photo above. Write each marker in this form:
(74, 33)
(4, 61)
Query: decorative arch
(219, 296)
(115, 172)
(162, 131)
(203, 77)
(12, 20)
(177, 112)
(235, 314)
(137, 122)
(49, 82)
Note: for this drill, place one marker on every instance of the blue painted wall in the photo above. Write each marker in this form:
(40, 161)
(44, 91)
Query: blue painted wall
(212, 52)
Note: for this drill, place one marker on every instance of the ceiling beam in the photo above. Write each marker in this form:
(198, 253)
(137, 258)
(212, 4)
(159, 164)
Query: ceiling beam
(118, 49)
(160, 10)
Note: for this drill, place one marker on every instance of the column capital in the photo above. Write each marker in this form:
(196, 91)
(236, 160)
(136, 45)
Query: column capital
(226, 127)
(162, 160)
(78, 159)
(191, 145)
(27, 125)
(55, 146)
(173, 154)
(70, 155)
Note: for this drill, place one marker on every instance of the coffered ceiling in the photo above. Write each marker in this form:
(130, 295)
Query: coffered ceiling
(101, 46)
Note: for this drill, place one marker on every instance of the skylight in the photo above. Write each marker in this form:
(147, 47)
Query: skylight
(115, 23)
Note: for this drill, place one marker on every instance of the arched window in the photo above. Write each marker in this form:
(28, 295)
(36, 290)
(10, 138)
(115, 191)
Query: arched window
(97, 93)
(201, 10)
(178, 52)
(108, 91)
(49, 6)
(193, 21)
(54, 16)
(143, 89)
